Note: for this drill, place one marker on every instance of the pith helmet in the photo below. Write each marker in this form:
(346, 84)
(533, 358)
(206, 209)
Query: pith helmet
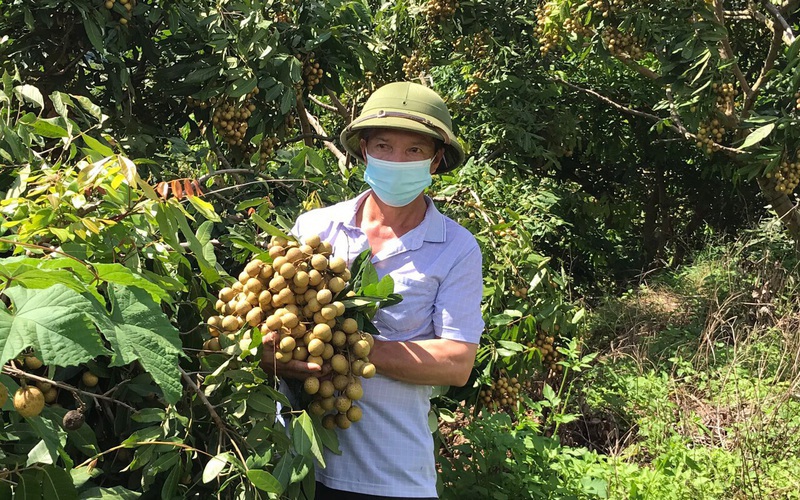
(406, 106)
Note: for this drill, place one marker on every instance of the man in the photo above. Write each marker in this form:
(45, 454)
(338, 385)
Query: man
(404, 134)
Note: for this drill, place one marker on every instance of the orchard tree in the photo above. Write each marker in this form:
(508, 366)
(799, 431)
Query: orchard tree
(723, 74)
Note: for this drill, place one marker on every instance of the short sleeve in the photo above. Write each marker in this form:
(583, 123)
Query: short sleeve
(457, 310)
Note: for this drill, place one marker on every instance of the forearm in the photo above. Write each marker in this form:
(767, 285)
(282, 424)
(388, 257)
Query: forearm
(425, 362)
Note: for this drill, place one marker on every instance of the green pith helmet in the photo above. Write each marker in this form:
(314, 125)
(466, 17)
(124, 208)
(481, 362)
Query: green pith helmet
(406, 106)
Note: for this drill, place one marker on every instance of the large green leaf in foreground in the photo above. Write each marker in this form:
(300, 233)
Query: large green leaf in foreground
(55, 321)
(139, 330)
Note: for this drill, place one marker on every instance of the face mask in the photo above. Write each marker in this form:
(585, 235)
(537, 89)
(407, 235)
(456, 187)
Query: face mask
(397, 183)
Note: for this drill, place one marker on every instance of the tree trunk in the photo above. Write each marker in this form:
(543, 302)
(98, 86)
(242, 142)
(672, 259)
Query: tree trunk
(782, 206)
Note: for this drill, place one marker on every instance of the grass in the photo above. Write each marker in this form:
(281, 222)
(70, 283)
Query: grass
(698, 384)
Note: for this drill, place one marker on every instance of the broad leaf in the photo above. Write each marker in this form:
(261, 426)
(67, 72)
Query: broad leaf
(214, 467)
(115, 493)
(139, 331)
(121, 275)
(57, 484)
(55, 321)
(264, 481)
(757, 136)
(304, 439)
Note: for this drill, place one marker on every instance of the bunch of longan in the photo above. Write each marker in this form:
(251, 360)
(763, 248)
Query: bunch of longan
(437, 10)
(726, 94)
(267, 149)
(127, 4)
(504, 392)
(312, 73)
(623, 44)
(547, 31)
(710, 134)
(550, 357)
(787, 176)
(293, 301)
(415, 65)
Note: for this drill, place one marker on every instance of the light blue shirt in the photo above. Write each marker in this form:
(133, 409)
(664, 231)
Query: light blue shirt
(436, 268)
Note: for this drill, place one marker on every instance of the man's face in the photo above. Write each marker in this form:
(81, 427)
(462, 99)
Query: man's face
(401, 146)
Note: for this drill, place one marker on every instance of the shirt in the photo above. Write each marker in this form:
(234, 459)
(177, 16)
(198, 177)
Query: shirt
(436, 268)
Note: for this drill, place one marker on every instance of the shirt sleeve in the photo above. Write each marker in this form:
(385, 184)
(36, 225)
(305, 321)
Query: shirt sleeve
(457, 310)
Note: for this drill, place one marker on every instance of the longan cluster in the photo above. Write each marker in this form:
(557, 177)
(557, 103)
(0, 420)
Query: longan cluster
(283, 17)
(30, 400)
(128, 4)
(293, 301)
(623, 44)
(606, 7)
(474, 46)
(230, 120)
(710, 134)
(519, 291)
(550, 357)
(788, 175)
(547, 32)
(503, 392)
(797, 101)
(267, 149)
(312, 73)
(436, 10)
(415, 65)
(472, 91)
(726, 94)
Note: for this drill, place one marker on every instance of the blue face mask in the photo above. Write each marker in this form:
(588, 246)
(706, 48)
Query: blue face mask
(397, 183)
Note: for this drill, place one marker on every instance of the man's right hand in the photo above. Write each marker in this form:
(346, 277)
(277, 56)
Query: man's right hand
(293, 369)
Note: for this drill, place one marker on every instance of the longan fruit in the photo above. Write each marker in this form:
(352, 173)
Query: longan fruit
(329, 422)
(29, 401)
(32, 362)
(354, 414)
(354, 391)
(311, 385)
(89, 379)
(337, 265)
(342, 421)
(340, 364)
(368, 371)
(349, 325)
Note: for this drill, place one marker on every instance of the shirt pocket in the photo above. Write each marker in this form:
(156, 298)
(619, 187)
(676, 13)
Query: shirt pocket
(413, 316)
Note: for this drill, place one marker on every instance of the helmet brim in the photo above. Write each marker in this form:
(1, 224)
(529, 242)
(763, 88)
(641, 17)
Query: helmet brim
(454, 152)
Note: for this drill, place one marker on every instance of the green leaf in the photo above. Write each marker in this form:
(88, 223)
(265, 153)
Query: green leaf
(115, 493)
(39, 455)
(264, 481)
(139, 331)
(30, 94)
(94, 33)
(57, 484)
(204, 207)
(202, 75)
(241, 87)
(214, 467)
(96, 145)
(304, 439)
(757, 136)
(29, 486)
(47, 127)
(121, 275)
(56, 322)
(90, 107)
(269, 228)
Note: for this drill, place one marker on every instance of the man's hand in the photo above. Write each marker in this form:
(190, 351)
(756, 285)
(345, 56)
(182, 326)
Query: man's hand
(293, 369)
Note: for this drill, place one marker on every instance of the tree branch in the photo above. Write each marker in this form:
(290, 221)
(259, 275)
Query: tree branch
(315, 124)
(769, 62)
(16, 372)
(341, 108)
(677, 129)
(726, 51)
(211, 411)
(304, 125)
(788, 34)
(322, 104)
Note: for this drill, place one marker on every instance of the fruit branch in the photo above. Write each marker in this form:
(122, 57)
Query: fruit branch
(322, 104)
(675, 128)
(16, 372)
(726, 51)
(214, 415)
(317, 126)
(787, 34)
(304, 125)
(340, 107)
(769, 62)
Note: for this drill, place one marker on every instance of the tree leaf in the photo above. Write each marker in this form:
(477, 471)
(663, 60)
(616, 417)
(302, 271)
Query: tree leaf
(57, 484)
(242, 86)
(214, 467)
(121, 275)
(304, 439)
(115, 493)
(56, 322)
(757, 136)
(29, 93)
(94, 33)
(264, 481)
(205, 208)
(29, 486)
(96, 145)
(138, 330)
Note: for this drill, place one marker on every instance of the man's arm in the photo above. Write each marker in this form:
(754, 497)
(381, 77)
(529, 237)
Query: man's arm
(425, 362)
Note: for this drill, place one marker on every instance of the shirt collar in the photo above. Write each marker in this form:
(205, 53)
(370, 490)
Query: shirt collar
(432, 227)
